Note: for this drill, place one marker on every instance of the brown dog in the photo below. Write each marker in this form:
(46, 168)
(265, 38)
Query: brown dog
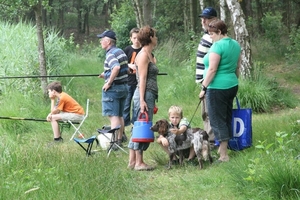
(195, 137)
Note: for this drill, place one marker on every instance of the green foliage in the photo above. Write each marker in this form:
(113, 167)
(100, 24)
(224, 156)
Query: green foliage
(165, 20)
(31, 169)
(293, 55)
(271, 171)
(271, 44)
(271, 24)
(262, 93)
(21, 58)
(122, 21)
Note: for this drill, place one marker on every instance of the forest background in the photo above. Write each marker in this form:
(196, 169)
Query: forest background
(59, 37)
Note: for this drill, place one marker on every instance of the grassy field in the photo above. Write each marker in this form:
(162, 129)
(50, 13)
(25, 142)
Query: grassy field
(30, 169)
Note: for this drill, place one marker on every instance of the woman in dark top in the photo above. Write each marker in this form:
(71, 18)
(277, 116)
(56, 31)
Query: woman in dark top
(145, 94)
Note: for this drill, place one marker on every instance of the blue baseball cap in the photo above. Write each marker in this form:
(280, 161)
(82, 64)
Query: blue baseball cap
(109, 34)
(209, 13)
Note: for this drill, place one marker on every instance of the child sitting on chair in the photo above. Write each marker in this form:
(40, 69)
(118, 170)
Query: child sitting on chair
(179, 125)
(65, 108)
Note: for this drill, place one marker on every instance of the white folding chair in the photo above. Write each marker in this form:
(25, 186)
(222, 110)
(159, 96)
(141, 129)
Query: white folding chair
(80, 124)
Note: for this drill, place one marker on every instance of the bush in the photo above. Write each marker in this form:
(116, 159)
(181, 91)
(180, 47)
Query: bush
(122, 21)
(271, 171)
(293, 55)
(262, 93)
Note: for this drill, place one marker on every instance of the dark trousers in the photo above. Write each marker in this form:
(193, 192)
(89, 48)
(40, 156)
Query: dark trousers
(126, 112)
(219, 104)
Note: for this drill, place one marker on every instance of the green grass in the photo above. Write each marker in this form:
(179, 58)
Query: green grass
(30, 169)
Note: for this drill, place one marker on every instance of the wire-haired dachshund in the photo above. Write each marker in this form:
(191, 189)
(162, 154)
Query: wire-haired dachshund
(195, 137)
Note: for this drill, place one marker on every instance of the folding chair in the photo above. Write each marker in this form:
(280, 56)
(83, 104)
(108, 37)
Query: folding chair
(80, 124)
(113, 140)
(89, 141)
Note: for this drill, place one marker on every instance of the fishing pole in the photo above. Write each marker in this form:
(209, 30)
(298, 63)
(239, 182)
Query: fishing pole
(34, 119)
(21, 118)
(51, 76)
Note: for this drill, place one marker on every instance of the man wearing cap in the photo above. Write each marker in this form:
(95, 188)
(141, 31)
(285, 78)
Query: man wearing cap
(114, 90)
(208, 15)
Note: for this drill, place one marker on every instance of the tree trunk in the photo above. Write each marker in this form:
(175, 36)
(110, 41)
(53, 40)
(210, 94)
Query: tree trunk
(86, 21)
(147, 11)
(247, 8)
(259, 15)
(51, 13)
(61, 21)
(185, 16)
(79, 15)
(41, 47)
(194, 14)
(138, 13)
(201, 5)
(222, 10)
(241, 35)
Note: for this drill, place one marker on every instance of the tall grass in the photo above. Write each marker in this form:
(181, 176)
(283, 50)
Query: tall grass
(19, 56)
(31, 169)
(273, 172)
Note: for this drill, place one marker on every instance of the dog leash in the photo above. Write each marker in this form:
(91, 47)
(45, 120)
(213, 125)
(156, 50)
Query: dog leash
(194, 113)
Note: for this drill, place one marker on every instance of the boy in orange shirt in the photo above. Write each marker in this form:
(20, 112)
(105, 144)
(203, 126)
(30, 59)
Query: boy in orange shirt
(65, 108)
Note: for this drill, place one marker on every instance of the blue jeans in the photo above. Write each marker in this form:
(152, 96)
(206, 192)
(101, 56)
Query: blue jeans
(219, 105)
(126, 113)
(150, 100)
(113, 100)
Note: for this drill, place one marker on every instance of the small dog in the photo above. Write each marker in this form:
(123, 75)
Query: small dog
(195, 137)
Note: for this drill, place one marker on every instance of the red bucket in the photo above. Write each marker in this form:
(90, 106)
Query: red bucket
(141, 131)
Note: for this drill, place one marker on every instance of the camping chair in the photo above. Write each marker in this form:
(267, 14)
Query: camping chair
(89, 141)
(112, 139)
(80, 124)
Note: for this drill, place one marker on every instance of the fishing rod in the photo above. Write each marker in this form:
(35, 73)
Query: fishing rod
(21, 118)
(51, 76)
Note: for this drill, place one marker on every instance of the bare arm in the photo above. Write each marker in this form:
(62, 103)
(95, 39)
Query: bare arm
(177, 131)
(214, 60)
(142, 62)
(53, 109)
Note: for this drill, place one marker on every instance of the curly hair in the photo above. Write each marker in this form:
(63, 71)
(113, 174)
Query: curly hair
(144, 35)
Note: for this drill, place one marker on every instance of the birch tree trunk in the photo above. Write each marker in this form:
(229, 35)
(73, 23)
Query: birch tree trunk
(201, 4)
(135, 8)
(138, 12)
(41, 47)
(222, 10)
(241, 35)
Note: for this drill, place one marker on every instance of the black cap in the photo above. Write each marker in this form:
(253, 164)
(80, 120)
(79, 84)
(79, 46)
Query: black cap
(209, 13)
(109, 34)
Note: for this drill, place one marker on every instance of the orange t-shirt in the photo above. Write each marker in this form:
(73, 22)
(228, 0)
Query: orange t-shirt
(67, 104)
